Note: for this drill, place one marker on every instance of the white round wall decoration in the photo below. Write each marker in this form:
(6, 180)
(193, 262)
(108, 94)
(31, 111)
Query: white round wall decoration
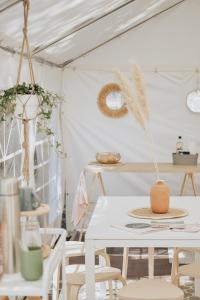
(193, 101)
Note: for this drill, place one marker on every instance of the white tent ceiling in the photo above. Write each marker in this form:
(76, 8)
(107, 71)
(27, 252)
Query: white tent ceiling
(65, 30)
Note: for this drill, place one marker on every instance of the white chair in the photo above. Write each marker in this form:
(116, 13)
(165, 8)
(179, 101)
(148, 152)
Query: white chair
(75, 278)
(150, 289)
(192, 269)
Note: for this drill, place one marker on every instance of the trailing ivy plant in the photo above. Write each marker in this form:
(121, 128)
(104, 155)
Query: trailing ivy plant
(46, 104)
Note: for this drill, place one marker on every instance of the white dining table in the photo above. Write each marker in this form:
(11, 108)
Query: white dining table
(106, 229)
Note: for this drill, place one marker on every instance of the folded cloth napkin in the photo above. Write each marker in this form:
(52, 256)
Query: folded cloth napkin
(80, 203)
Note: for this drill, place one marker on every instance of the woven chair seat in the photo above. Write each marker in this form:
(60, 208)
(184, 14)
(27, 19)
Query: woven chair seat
(75, 274)
(150, 289)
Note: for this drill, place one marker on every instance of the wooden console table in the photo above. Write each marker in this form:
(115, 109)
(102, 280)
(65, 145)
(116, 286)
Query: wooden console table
(189, 171)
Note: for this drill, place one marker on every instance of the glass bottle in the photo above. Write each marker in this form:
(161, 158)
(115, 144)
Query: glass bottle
(179, 145)
(31, 251)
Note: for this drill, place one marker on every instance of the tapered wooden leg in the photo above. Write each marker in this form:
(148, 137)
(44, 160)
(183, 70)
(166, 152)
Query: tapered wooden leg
(183, 184)
(101, 184)
(151, 262)
(125, 263)
(193, 184)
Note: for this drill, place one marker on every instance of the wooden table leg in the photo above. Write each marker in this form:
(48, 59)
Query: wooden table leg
(151, 262)
(193, 183)
(125, 262)
(101, 184)
(183, 184)
(188, 176)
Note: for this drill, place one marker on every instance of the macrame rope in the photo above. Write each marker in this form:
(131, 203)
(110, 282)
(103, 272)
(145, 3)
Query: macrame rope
(25, 145)
(25, 43)
(25, 122)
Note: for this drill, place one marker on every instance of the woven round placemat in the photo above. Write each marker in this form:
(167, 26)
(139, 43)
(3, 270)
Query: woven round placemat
(146, 213)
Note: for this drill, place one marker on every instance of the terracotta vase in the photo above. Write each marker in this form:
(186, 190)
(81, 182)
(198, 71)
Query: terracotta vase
(159, 195)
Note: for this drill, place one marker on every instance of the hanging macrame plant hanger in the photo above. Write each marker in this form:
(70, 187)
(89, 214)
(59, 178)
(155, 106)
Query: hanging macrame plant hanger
(26, 105)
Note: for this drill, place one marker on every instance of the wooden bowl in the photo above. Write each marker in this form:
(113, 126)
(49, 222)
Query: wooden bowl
(108, 157)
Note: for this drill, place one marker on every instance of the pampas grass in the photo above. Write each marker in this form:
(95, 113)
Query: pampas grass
(140, 90)
(137, 105)
(129, 98)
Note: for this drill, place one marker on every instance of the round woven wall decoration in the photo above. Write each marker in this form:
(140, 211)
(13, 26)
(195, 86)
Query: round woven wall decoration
(107, 91)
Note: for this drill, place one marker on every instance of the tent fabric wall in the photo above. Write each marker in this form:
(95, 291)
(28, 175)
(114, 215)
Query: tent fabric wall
(168, 41)
(48, 77)
(89, 131)
(169, 57)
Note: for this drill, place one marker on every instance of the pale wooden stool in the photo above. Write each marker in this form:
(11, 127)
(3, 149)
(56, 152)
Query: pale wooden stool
(150, 289)
(75, 278)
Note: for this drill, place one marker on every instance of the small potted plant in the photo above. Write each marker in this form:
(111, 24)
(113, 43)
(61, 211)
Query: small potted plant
(27, 102)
